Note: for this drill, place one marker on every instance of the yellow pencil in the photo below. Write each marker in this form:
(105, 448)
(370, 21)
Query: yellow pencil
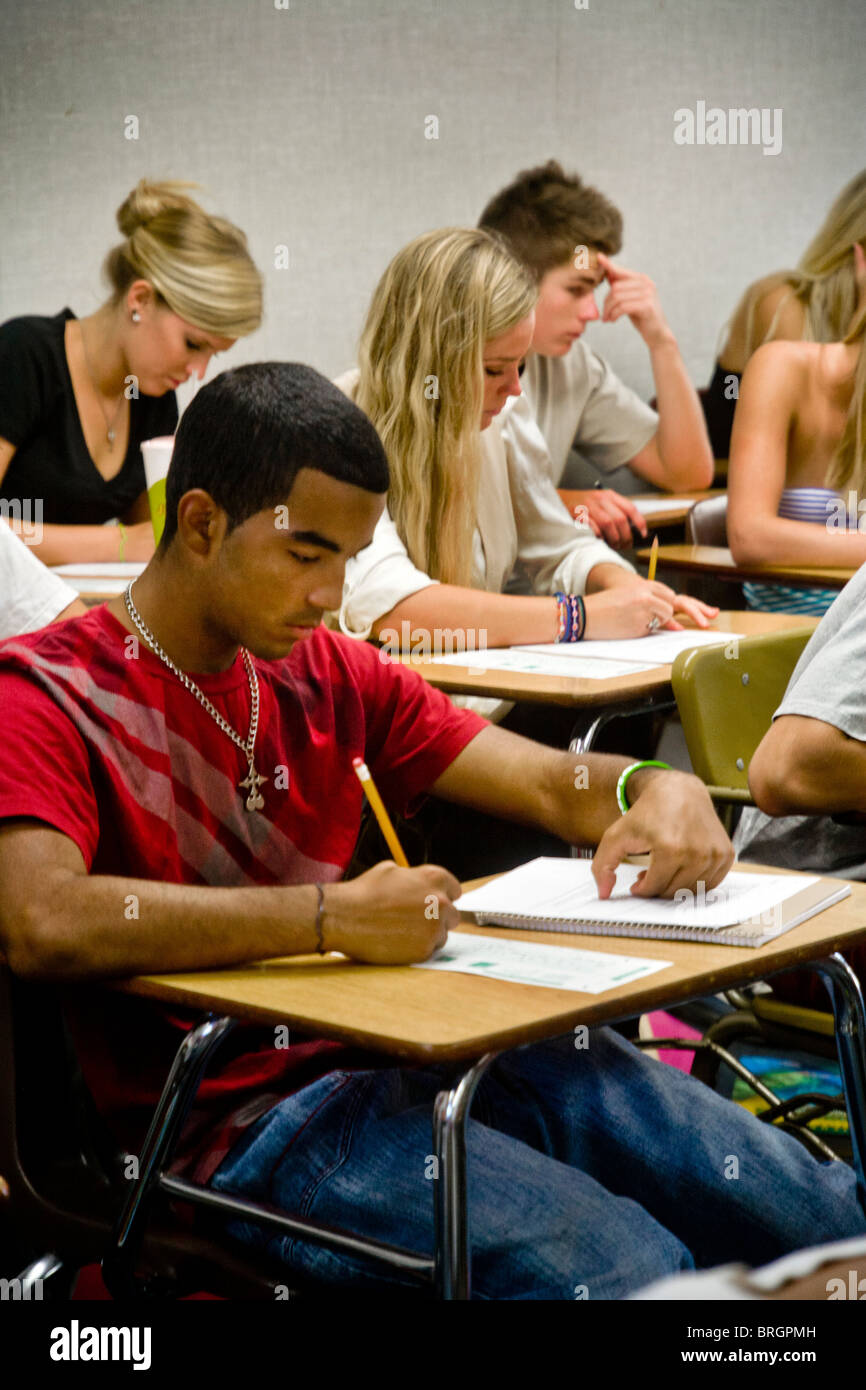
(654, 559)
(379, 811)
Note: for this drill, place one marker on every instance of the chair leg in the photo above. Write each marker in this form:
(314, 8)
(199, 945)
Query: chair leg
(850, 1019)
(182, 1084)
(452, 1264)
(710, 1047)
(49, 1272)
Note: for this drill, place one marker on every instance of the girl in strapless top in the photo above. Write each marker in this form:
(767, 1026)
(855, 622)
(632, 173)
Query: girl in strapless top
(798, 462)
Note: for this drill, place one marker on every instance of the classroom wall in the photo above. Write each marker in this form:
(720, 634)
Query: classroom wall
(306, 124)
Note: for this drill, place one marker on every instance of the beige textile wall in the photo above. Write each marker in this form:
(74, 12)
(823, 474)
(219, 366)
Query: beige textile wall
(308, 126)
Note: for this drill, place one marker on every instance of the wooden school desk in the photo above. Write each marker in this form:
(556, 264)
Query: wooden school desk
(98, 582)
(592, 700)
(718, 562)
(420, 1016)
(674, 515)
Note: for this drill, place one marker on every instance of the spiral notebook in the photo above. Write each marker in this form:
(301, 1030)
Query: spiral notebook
(561, 895)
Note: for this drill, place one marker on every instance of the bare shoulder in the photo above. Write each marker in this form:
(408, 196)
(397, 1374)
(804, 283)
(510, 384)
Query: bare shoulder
(783, 363)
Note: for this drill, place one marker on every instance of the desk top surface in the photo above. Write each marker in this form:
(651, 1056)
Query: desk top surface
(718, 560)
(582, 693)
(427, 1015)
(673, 515)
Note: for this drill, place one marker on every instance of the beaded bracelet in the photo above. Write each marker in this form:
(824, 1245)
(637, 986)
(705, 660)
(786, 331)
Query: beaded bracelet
(572, 617)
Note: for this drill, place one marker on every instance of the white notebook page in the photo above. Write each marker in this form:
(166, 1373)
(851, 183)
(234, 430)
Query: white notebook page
(565, 890)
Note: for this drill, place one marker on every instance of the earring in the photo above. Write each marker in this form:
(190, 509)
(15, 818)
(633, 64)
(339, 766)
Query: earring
(136, 316)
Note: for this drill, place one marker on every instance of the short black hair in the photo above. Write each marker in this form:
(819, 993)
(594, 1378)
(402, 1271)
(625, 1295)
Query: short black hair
(244, 437)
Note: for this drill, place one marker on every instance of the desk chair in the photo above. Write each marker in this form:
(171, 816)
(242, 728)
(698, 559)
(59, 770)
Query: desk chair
(726, 696)
(726, 702)
(62, 1183)
(707, 524)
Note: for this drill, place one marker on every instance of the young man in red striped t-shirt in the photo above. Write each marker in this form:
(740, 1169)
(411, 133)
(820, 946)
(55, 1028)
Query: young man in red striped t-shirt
(177, 791)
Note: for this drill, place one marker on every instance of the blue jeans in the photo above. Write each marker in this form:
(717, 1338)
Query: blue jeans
(590, 1173)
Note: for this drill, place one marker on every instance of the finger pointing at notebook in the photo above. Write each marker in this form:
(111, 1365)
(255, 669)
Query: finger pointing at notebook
(672, 819)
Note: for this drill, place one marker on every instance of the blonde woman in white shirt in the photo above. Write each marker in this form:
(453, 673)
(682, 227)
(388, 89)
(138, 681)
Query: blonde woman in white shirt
(448, 327)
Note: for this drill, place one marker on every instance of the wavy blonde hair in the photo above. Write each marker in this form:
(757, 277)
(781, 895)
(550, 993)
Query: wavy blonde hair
(849, 463)
(199, 265)
(421, 383)
(824, 281)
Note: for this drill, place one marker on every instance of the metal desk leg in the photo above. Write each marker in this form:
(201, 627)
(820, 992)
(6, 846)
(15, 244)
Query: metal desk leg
(182, 1083)
(850, 1018)
(588, 727)
(450, 1111)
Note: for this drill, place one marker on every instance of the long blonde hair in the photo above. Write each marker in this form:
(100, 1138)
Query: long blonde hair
(824, 281)
(849, 463)
(198, 264)
(422, 383)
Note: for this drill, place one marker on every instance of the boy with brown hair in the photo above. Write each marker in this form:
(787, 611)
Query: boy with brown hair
(566, 232)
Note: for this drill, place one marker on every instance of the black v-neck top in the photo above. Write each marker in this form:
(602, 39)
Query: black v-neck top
(39, 416)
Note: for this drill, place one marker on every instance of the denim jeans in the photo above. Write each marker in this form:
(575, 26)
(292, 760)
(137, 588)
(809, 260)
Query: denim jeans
(591, 1172)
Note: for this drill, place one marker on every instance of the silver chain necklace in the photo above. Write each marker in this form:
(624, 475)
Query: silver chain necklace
(111, 432)
(253, 780)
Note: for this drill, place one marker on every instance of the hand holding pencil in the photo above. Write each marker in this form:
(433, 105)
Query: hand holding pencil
(392, 914)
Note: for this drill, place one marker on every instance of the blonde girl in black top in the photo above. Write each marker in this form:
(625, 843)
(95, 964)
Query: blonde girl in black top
(77, 396)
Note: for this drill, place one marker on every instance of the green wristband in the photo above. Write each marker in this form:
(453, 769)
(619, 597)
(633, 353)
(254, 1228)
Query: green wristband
(623, 781)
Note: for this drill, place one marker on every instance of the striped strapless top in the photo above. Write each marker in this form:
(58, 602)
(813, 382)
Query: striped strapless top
(818, 505)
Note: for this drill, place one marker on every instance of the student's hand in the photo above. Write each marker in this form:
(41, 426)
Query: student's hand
(389, 915)
(671, 818)
(610, 515)
(140, 544)
(628, 609)
(700, 613)
(635, 295)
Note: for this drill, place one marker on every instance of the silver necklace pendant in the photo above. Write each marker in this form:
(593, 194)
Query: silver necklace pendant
(111, 436)
(253, 780)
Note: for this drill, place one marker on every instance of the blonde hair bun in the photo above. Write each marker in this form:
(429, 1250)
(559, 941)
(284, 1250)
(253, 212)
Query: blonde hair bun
(148, 199)
(198, 264)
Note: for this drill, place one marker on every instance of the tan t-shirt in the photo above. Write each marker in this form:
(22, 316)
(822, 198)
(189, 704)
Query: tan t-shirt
(579, 402)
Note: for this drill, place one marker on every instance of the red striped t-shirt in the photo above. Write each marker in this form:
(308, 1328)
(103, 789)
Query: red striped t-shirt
(105, 744)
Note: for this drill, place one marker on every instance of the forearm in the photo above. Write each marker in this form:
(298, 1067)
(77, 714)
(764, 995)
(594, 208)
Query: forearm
(607, 576)
(579, 802)
(804, 767)
(83, 926)
(683, 444)
(483, 619)
(774, 540)
(63, 545)
(572, 796)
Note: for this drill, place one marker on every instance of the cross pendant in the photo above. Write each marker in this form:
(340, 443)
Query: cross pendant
(255, 801)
